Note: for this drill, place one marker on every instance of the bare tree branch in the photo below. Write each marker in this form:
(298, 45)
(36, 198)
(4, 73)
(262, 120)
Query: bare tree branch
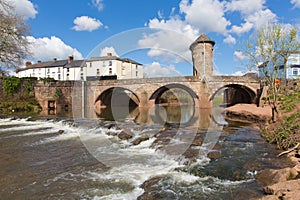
(13, 42)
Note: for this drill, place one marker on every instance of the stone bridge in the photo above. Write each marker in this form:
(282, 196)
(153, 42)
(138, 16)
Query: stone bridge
(90, 96)
(94, 95)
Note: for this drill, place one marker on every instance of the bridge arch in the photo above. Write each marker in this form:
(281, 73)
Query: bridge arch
(158, 93)
(117, 96)
(236, 93)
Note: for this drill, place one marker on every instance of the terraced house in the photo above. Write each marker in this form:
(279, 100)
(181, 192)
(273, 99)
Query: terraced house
(292, 71)
(97, 68)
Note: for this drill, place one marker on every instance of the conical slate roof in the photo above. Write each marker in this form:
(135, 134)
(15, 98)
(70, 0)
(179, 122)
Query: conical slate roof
(202, 39)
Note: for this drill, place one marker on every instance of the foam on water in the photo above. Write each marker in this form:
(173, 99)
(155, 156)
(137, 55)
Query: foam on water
(130, 164)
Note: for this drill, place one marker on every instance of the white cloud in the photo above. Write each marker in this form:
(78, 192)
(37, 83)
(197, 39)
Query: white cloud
(238, 73)
(261, 18)
(156, 70)
(296, 3)
(85, 23)
(98, 4)
(160, 14)
(171, 41)
(229, 40)
(244, 28)
(46, 49)
(245, 7)
(240, 56)
(104, 51)
(206, 15)
(242, 73)
(253, 12)
(177, 33)
(24, 8)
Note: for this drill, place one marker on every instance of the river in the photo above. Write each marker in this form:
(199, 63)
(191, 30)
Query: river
(52, 157)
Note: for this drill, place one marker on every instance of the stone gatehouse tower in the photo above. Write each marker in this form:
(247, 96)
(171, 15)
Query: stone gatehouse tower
(202, 54)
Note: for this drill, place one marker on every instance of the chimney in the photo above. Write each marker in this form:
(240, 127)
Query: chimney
(109, 54)
(28, 63)
(70, 59)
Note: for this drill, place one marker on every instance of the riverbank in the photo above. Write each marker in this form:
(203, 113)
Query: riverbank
(280, 183)
(249, 112)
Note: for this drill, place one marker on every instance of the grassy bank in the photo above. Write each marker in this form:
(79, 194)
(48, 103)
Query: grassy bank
(285, 133)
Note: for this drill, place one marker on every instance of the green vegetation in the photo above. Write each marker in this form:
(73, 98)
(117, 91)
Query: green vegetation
(58, 95)
(286, 132)
(270, 50)
(11, 85)
(18, 95)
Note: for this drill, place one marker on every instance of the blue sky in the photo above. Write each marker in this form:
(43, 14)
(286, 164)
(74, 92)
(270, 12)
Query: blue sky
(156, 33)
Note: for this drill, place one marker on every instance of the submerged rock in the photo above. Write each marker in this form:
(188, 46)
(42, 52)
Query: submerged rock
(138, 140)
(124, 136)
(214, 155)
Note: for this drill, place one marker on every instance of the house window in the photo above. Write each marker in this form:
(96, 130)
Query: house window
(81, 76)
(48, 71)
(110, 63)
(136, 73)
(295, 72)
(98, 72)
(81, 68)
(58, 70)
(90, 64)
(68, 70)
(136, 67)
(58, 76)
(68, 76)
(110, 71)
(123, 71)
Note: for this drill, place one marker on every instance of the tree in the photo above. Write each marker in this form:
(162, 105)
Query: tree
(269, 50)
(13, 43)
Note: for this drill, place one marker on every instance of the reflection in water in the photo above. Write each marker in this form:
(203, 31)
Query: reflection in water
(173, 114)
(118, 113)
(186, 115)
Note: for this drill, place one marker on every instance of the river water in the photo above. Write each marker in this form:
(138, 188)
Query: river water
(51, 157)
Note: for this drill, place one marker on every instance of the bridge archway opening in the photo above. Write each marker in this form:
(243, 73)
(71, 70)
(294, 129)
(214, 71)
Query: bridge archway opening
(174, 94)
(118, 97)
(116, 103)
(174, 105)
(232, 94)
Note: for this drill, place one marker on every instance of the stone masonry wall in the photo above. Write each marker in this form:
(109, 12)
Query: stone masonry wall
(57, 95)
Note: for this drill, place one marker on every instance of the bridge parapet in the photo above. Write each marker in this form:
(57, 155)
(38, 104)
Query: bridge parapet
(143, 89)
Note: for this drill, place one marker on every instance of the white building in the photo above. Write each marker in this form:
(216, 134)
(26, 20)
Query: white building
(100, 68)
(113, 67)
(293, 63)
(292, 70)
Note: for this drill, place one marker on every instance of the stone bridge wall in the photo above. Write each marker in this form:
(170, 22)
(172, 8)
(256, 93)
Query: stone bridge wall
(142, 88)
(59, 92)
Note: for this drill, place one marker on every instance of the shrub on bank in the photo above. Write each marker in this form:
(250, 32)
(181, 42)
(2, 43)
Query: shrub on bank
(285, 133)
